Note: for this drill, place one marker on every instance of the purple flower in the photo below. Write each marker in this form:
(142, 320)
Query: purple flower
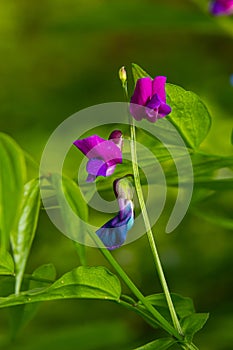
(152, 96)
(221, 7)
(113, 233)
(103, 154)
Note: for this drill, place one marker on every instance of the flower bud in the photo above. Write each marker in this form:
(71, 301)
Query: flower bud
(122, 75)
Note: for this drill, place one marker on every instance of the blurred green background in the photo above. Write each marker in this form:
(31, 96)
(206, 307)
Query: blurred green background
(57, 57)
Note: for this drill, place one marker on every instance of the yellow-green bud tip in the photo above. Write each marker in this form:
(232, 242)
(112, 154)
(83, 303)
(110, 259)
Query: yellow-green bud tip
(122, 75)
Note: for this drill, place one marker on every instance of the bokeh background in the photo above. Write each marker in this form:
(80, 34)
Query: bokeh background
(59, 56)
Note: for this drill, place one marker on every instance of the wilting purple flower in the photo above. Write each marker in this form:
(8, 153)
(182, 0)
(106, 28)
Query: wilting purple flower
(113, 233)
(150, 94)
(221, 7)
(103, 154)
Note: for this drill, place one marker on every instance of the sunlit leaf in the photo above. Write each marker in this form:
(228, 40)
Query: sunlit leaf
(12, 178)
(158, 344)
(193, 323)
(82, 283)
(189, 115)
(23, 234)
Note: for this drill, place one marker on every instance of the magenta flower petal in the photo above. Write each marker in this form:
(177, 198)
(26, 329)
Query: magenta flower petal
(103, 154)
(88, 144)
(142, 92)
(152, 115)
(96, 167)
(164, 110)
(108, 151)
(150, 94)
(137, 111)
(110, 169)
(154, 102)
(158, 87)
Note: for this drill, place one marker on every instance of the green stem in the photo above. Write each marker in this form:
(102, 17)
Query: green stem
(140, 312)
(163, 323)
(149, 231)
(146, 219)
(189, 346)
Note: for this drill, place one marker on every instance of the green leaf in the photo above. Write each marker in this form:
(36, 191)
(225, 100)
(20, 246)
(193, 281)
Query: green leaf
(12, 179)
(193, 323)
(65, 186)
(159, 344)
(23, 235)
(6, 264)
(189, 114)
(21, 315)
(183, 305)
(82, 283)
(204, 169)
(138, 72)
(43, 272)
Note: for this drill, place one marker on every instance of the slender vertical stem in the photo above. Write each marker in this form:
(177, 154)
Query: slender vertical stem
(148, 229)
(146, 219)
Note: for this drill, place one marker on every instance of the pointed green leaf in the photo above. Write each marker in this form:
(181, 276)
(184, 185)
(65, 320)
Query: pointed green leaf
(183, 305)
(12, 178)
(158, 344)
(82, 283)
(6, 264)
(43, 272)
(192, 324)
(23, 235)
(138, 72)
(75, 200)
